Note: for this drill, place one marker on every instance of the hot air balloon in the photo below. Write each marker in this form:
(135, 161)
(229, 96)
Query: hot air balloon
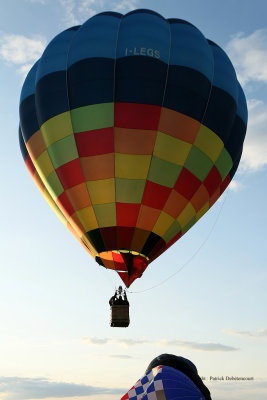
(169, 377)
(132, 126)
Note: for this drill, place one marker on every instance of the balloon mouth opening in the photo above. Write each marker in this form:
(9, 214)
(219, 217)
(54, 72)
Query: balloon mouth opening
(132, 252)
(129, 264)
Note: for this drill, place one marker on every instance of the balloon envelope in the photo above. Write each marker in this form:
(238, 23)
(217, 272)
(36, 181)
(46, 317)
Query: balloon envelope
(165, 383)
(132, 126)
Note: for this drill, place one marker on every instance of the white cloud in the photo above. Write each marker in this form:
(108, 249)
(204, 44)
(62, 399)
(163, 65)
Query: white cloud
(124, 342)
(69, 12)
(126, 5)
(16, 388)
(88, 8)
(76, 12)
(254, 155)
(96, 341)
(249, 56)
(18, 49)
(235, 186)
(121, 356)
(199, 346)
(21, 51)
(37, 1)
(131, 342)
(261, 333)
(162, 342)
(238, 390)
(23, 70)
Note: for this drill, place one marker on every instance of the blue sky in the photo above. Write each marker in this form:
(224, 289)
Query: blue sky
(55, 339)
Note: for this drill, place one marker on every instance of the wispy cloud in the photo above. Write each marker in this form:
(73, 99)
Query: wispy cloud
(88, 8)
(126, 5)
(16, 388)
(68, 7)
(121, 356)
(21, 51)
(77, 11)
(96, 341)
(199, 346)
(43, 2)
(125, 342)
(162, 342)
(261, 333)
(249, 56)
(24, 69)
(18, 49)
(131, 342)
(254, 155)
(237, 390)
(235, 186)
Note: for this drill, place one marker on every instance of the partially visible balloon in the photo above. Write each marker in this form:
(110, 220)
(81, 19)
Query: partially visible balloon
(133, 127)
(166, 383)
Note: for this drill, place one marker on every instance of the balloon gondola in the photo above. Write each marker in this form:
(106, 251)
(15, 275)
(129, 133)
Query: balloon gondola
(132, 126)
(119, 309)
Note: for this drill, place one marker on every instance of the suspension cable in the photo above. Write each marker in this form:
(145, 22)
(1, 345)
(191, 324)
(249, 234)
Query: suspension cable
(193, 255)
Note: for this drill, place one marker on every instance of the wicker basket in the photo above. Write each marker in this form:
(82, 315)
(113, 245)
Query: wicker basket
(119, 315)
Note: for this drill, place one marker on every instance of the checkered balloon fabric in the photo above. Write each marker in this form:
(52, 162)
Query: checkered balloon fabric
(132, 126)
(164, 383)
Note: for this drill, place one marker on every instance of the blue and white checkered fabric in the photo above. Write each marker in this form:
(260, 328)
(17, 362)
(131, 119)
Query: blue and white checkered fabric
(164, 383)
